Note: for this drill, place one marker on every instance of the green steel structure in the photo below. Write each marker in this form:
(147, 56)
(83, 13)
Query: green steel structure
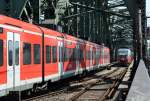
(110, 22)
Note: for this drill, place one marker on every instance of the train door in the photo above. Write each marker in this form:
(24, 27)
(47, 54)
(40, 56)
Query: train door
(13, 60)
(60, 55)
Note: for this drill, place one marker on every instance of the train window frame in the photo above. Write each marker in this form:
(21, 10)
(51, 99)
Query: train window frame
(25, 56)
(1, 52)
(48, 54)
(37, 53)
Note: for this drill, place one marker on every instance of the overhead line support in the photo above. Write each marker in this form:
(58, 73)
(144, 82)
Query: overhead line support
(101, 10)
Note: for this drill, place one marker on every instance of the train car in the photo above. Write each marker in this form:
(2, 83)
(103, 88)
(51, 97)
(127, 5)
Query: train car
(33, 56)
(124, 56)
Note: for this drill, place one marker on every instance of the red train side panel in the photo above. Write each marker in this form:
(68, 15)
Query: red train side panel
(26, 62)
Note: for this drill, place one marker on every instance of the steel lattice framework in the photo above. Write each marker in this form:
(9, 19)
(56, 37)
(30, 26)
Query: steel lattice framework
(110, 22)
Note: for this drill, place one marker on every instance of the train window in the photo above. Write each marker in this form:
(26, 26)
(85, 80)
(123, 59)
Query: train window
(37, 54)
(17, 52)
(66, 54)
(70, 54)
(54, 53)
(63, 59)
(48, 54)
(73, 54)
(88, 55)
(26, 53)
(91, 55)
(78, 50)
(10, 52)
(81, 55)
(1, 52)
(78, 54)
(1, 30)
(61, 54)
(97, 57)
(79, 58)
(103, 52)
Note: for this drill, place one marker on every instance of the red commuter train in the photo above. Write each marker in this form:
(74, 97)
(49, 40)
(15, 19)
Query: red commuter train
(124, 56)
(30, 55)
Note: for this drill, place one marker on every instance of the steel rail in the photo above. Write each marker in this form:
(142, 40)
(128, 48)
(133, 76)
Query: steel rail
(110, 91)
(85, 89)
(82, 91)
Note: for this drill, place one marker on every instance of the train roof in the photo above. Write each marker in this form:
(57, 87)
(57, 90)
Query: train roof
(18, 23)
(27, 26)
(124, 49)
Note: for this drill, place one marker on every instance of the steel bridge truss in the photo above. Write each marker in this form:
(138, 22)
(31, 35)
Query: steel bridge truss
(100, 21)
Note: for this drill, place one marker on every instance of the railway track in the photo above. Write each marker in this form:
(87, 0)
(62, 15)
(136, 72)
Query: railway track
(76, 90)
(50, 94)
(110, 91)
(98, 81)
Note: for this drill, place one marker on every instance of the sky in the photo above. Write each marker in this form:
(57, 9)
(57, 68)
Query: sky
(148, 12)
